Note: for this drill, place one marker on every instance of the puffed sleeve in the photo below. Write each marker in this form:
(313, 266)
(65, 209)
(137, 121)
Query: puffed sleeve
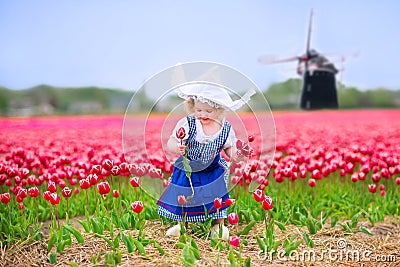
(181, 123)
(231, 140)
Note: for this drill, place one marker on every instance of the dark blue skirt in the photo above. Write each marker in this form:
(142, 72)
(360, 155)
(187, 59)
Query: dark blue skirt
(208, 183)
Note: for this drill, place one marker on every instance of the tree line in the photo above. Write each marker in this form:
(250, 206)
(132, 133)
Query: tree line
(50, 100)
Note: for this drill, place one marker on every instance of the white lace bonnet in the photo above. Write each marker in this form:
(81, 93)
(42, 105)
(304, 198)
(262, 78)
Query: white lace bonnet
(213, 95)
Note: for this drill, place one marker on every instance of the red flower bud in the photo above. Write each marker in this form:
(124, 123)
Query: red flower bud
(181, 133)
(66, 192)
(267, 203)
(51, 186)
(5, 198)
(229, 202)
(234, 241)
(135, 182)
(54, 199)
(372, 188)
(115, 193)
(251, 138)
(107, 164)
(33, 191)
(115, 170)
(84, 183)
(104, 188)
(137, 206)
(181, 200)
(218, 203)
(233, 218)
(259, 195)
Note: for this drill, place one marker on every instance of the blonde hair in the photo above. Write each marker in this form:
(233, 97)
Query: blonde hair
(189, 105)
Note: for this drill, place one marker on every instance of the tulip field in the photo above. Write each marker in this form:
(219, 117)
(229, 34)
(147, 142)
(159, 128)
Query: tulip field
(70, 196)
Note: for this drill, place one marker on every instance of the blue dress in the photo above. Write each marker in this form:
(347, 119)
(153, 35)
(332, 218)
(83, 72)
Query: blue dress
(210, 174)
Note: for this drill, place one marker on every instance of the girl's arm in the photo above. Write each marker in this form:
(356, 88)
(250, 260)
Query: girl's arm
(231, 153)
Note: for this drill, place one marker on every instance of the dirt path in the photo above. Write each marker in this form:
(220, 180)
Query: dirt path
(332, 248)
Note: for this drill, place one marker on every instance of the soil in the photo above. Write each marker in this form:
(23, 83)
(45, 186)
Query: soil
(333, 247)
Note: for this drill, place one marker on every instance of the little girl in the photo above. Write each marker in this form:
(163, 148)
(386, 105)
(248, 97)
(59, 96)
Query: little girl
(205, 134)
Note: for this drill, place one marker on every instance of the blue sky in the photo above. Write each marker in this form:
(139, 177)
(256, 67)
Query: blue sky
(120, 44)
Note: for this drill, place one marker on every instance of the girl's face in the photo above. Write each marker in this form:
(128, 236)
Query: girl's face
(205, 113)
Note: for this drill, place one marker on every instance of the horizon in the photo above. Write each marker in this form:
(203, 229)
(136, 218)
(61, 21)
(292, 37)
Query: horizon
(121, 45)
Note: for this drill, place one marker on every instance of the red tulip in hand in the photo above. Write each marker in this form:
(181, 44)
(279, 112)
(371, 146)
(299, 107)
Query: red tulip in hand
(181, 133)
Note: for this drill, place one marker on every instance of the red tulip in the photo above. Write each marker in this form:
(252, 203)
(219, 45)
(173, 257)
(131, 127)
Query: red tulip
(107, 164)
(137, 206)
(31, 180)
(46, 195)
(18, 198)
(250, 138)
(93, 179)
(96, 169)
(181, 133)
(372, 188)
(267, 203)
(66, 192)
(51, 186)
(259, 195)
(233, 218)
(383, 193)
(354, 177)
(229, 202)
(21, 206)
(316, 174)
(218, 203)
(33, 191)
(115, 193)
(104, 188)
(234, 241)
(84, 183)
(382, 187)
(398, 180)
(5, 198)
(311, 182)
(115, 170)
(376, 177)
(54, 199)
(22, 192)
(181, 200)
(135, 182)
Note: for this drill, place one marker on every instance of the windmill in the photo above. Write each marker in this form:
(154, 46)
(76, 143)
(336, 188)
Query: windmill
(319, 89)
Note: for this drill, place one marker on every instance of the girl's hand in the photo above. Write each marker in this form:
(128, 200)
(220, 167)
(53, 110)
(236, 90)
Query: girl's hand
(237, 157)
(181, 149)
